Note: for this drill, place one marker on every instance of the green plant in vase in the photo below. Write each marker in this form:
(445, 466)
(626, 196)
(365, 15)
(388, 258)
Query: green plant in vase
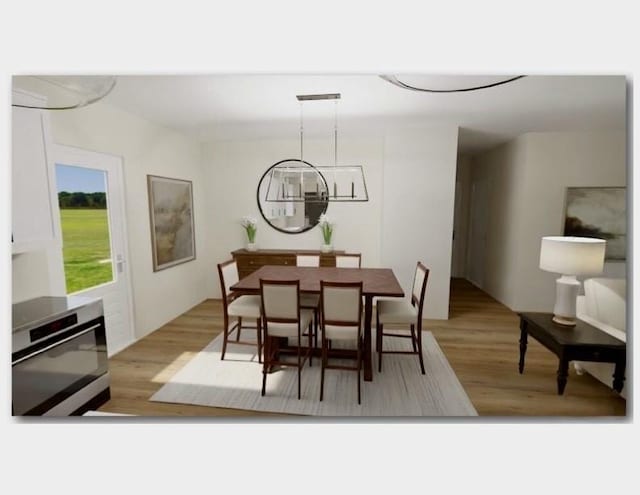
(326, 226)
(250, 225)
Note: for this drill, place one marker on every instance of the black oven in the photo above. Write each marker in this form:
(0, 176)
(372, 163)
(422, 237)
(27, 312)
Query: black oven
(59, 356)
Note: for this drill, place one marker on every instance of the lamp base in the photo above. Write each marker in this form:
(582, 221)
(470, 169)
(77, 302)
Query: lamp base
(564, 321)
(564, 311)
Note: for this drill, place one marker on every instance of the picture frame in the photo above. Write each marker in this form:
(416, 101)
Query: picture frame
(172, 221)
(598, 212)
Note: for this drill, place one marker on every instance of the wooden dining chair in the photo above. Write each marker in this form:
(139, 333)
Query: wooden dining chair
(341, 310)
(310, 301)
(404, 313)
(348, 260)
(238, 307)
(283, 317)
(308, 260)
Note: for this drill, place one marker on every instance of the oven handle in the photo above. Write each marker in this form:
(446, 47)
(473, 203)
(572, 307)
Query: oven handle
(55, 344)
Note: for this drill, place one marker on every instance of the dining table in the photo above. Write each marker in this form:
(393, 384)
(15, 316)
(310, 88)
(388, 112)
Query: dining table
(376, 282)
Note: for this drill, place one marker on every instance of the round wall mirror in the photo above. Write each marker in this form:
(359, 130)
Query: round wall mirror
(292, 194)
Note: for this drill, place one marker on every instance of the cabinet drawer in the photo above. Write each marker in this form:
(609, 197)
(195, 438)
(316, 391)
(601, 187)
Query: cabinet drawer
(281, 260)
(250, 261)
(600, 355)
(254, 261)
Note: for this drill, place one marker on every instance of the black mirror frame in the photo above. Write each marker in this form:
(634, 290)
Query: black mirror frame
(326, 201)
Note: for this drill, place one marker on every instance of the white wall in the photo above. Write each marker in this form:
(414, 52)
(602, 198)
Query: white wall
(146, 148)
(528, 178)
(417, 217)
(233, 171)
(461, 217)
(503, 169)
(418, 186)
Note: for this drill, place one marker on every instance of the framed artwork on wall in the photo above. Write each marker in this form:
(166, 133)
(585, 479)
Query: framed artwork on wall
(598, 212)
(172, 225)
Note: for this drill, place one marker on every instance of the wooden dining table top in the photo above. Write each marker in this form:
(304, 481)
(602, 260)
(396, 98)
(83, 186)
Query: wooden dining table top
(375, 281)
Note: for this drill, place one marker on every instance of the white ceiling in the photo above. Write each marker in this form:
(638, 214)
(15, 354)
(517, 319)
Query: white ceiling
(211, 107)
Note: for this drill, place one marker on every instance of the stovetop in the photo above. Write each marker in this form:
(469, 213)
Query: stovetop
(34, 312)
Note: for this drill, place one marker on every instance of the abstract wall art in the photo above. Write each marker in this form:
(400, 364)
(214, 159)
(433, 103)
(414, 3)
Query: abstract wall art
(172, 225)
(598, 212)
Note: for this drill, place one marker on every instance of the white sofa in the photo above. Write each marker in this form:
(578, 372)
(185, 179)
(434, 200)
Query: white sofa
(603, 305)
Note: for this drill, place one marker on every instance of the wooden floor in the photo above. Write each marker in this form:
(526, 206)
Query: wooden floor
(480, 341)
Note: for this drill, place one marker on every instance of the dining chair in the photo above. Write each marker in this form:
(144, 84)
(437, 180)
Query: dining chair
(348, 260)
(307, 260)
(282, 316)
(238, 307)
(341, 310)
(310, 301)
(404, 313)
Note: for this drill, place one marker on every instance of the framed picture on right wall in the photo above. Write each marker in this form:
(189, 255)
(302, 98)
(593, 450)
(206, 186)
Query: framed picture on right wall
(598, 212)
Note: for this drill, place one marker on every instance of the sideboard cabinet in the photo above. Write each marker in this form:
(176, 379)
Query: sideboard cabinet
(250, 261)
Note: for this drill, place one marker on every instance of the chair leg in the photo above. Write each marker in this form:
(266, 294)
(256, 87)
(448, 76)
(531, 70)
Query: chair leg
(323, 360)
(359, 366)
(413, 338)
(420, 349)
(379, 340)
(299, 365)
(265, 364)
(259, 338)
(225, 336)
(239, 329)
(310, 348)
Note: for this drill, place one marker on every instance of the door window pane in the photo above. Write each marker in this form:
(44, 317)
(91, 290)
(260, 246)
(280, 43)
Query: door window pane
(84, 220)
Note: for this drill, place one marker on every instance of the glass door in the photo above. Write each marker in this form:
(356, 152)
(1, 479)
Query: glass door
(91, 204)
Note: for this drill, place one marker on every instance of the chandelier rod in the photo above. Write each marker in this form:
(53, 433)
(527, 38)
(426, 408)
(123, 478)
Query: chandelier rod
(301, 134)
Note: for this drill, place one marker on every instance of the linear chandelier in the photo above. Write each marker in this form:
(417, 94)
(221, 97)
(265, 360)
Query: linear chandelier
(297, 180)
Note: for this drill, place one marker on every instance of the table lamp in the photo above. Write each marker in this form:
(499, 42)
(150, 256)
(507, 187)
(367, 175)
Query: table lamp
(570, 256)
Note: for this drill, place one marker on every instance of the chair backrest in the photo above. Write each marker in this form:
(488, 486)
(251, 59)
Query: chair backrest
(419, 287)
(348, 260)
(228, 272)
(280, 300)
(341, 303)
(307, 260)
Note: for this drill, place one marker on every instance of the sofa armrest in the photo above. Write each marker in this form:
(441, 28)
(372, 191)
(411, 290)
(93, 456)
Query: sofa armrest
(614, 332)
(581, 306)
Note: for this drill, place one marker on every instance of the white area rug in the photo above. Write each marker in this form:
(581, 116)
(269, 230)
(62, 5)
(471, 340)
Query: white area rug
(400, 390)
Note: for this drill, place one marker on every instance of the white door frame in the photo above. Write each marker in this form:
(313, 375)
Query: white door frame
(70, 155)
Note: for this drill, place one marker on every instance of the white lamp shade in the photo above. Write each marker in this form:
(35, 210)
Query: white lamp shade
(572, 255)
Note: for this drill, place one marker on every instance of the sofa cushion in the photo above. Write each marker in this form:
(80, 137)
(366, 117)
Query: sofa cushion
(606, 301)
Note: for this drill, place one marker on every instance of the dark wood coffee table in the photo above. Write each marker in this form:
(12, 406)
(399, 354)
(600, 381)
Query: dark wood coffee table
(583, 342)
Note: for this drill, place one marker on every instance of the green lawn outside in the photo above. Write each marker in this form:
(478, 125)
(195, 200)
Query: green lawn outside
(85, 234)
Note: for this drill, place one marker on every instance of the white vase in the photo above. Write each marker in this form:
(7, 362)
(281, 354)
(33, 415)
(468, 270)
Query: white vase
(251, 246)
(326, 248)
